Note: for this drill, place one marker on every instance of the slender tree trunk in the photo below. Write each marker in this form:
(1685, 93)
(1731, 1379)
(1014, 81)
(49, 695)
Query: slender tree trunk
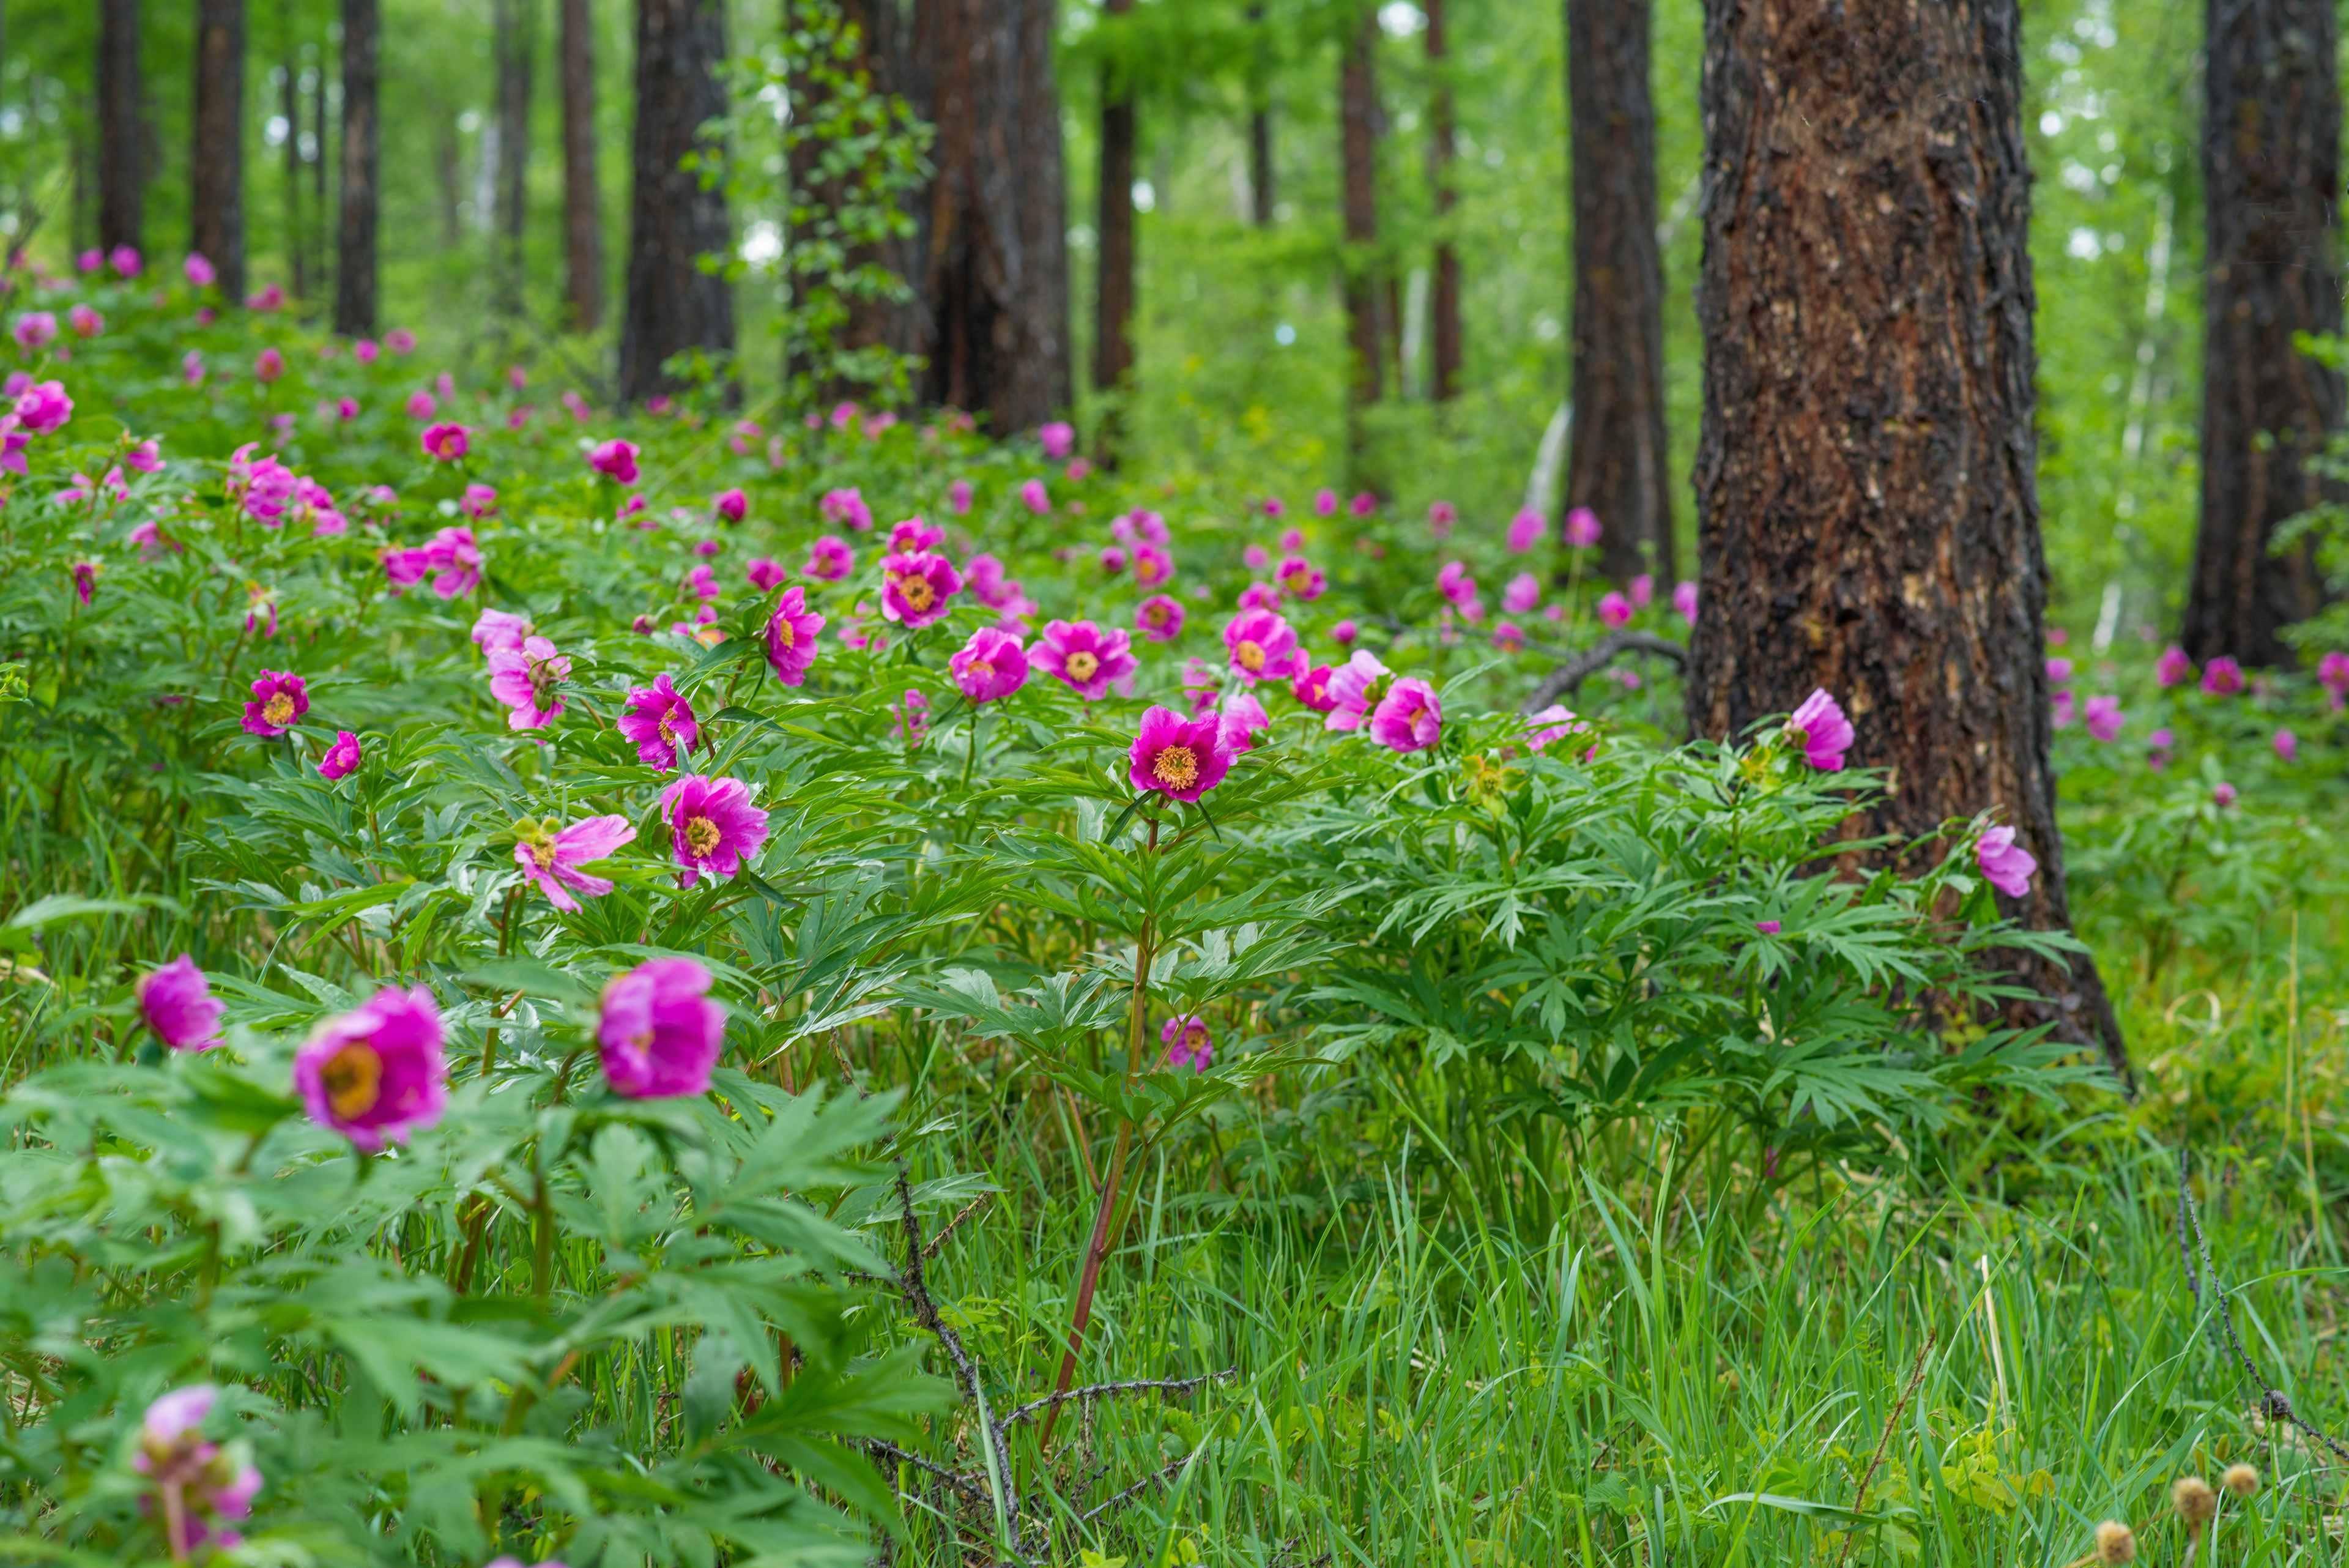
(672, 305)
(2272, 185)
(316, 229)
(216, 196)
(885, 56)
(1618, 464)
(122, 171)
(1865, 483)
(1443, 302)
(517, 40)
(296, 253)
(1259, 121)
(448, 178)
(583, 202)
(361, 183)
(995, 279)
(1114, 341)
(1357, 117)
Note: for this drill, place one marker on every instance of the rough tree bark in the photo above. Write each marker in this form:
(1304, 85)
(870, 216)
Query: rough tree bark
(583, 202)
(1865, 481)
(1443, 300)
(1113, 298)
(121, 169)
(995, 278)
(2272, 185)
(355, 249)
(516, 26)
(1617, 467)
(216, 194)
(1357, 132)
(672, 305)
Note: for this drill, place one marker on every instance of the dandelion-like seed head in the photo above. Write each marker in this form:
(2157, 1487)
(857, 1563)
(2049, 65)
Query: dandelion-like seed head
(2194, 1500)
(2243, 1480)
(2116, 1544)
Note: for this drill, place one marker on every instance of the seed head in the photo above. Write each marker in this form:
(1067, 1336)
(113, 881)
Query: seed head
(2116, 1544)
(2240, 1479)
(2194, 1500)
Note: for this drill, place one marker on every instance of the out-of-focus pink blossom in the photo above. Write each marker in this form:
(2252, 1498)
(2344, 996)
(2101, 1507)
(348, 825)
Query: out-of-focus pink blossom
(1684, 601)
(2103, 714)
(1527, 529)
(1058, 438)
(1409, 718)
(1615, 610)
(2222, 677)
(1582, 529)
(1159, 618)
(2173, 666)
(846, 506)
(1035, 497)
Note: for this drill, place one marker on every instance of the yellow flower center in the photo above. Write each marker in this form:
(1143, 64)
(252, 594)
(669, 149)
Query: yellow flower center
(1250, 656)
(1176, 767)
(1145, 571)
(784, 636)
(353, 1079)
(1194, 1037)
(1155, 615)
(279, 709)
(915, 590)
(701, 835)
(1081, 665)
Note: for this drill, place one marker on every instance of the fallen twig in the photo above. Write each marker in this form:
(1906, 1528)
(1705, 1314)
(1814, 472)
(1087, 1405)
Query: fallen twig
(1883, 1441)
(1105, 1390)
(1595, 658)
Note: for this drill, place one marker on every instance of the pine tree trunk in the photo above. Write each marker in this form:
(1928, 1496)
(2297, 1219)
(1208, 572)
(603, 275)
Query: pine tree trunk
(517, 39)
(216, 196)
(290, 80)
(995, 279)
(583, 200)
(2272, 185)
(1357, 125)
(122, 171)
(1443, 302)
(1618, 464)
(1260, 131)
(672, 305)
(1865, 483)
(354, 252)
(1113, 338)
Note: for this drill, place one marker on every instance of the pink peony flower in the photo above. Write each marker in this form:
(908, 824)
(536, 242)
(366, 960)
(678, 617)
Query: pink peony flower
(1553, 724)
(1325, 502)
(1152, 567)
(1262, 646)
(147, 457)
(479, 501)
(660, 722)
(791, 637)
(1819, 727)
(1684, 601)
(2063, 712)
(1311, 688)
(2225, 794)
(1440, 516)
(1060, 438)
(846, 506)
(958, 497)
(765, 573)
(658, 1035)
(1084, 656)
(912, 535)
(1035, 497)
(365, 351)
(2173, 666)
(43, 408)
(177, 1003)
(1582, 529)
(713, 826)
(446, 442)
(526, 679)
(2333, 674)
(1527, 529)
(1522, 595)
(916, 586)
(1508, 637)
(2104, 718)
(1159, 618)
(1356, 687)
(1188, 1041)
(279, 701)
(423, 405)
(551, 858)
(1180, 758)
(400, 340)
(1455, 582)
(1768, 927)
(1410, 718)
(1255, 557)
(1113, 559)
(731, 504)
(2059, 670)
(199, 271)
(376, 1074)
(829, 559)
(1239, 719)
(86, 323)
(913, 719)
(1615, 610)
(125, 261)
(497, 632)
(272, 297)
(2287, 745)
(204, 1487)
(703, 584)
(1643, 591)
(1301, 578)
(2006, 863)
(342, 758)
(1363, 504)
(268, 365)
(191, 367)
(2222, 677)
(34, 331)
(991, 666)
(84, 581)
(456, 561)
(616, 460)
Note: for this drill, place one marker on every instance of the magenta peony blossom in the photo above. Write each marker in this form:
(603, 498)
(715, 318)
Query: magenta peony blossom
(2222, 677)
(765, 573)
(916, 586)
(1582, 529)
(34, 331)
(703, 584)
(551, 857)
(1819, 727)
(846, 506)
(497, 632)
(2104, 718)
(400, 340)
(268, 365)
(1113, 559)
(616, 460)
(713, 826)
(1508, 637)
(1177, 757)
(1615, 610)
(2006, 863)
(1262, 646)
(199, 271)
(1363, 504)
(84, 581)
(423, 405)
(2059, 670)
(989, 667)
(1410, 718)
(479, 501)
(43, 408)
(526, 679)
(1684, 601)
(660, 722)
(1643, 591)
(456, 561)
(1527, 529)
(1035, 497)
(178, 1005)
(2333, 674)
(1239, 719)
(1060, 438)
(1455, 582)
(1255, 557)
(124, 260)
(914, 533)
(1344, 633)
(86, 323)
(2062, 709)
(1152, 567)
(1522, 595)
(1325, 502)
(1159, 618)
(1311, 687)
(2225, 794)
(191, 367)
(279, 701)
(2173, 666)
(1188, 1041)
(204, 1486)
(791, 637)
(1084, 656)
(1356, 687)
(958, 497)
(446, 441)
(2287, 745)
(376, 1074)
(342, 758)
(1767, 927)
(1301, 578)
(829, 559)
(1553, 724)
(657, 1033)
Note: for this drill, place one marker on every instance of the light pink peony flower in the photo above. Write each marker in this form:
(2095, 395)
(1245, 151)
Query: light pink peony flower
(958, 497)
(527, 681)
(43, 408)
(479, 501)
(1036, 498)
(2287, 745)
(2006, 863)
(87, 322)
(1615, 610)
(1113, 559)
(661, 721)
(1553, 724)
(1684, 601)
(846, 506)
(1060, 438)
(1523, 593)
(1180, 758)
(2104, 718)
(765, 573)
(376, 1074)
(1527, 529)
(124, 260)
(1239, 719)
(199, 271)
(713, 826)
(343, 758)
(1643, 591)
(2225, 794)
(34, 331)
(551, 858)
(990, 667)
(1409, 718)
(400, 340)
(1356, 688)
(913, 719)
(268, 365)
(791, 637)
(1083, 656)
(1582, 529)
(829, 559)
(1819, 727)
(916, 586)
(658, 1033)
(496, 631)
(1455, 582)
